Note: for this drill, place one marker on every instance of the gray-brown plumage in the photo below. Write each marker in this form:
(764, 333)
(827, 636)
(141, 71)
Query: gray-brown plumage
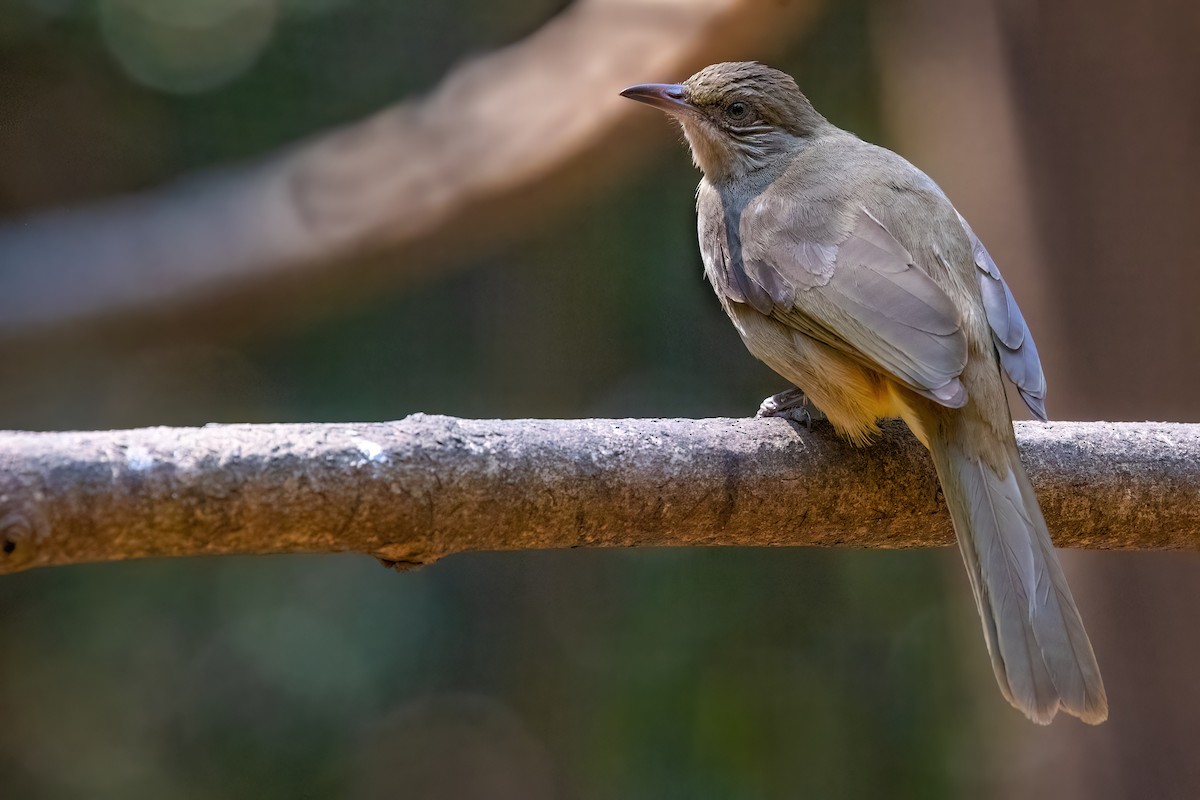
(847, 271)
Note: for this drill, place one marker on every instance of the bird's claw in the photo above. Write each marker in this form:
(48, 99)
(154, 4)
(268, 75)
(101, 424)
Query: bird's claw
(800, 416)
(790, 405)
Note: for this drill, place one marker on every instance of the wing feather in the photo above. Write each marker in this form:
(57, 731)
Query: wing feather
(1010, 333)
(866, 296)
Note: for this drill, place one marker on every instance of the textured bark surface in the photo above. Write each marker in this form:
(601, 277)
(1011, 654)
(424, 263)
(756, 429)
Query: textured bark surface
(416, 490)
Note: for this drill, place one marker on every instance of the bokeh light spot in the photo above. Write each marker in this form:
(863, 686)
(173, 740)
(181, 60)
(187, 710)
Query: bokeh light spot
(186, 46)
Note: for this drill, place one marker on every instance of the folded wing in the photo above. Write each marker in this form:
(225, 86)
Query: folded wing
(863, 295)
(1014, 342)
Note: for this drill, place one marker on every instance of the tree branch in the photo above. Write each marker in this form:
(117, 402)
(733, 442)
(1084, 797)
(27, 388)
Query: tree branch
(502, 145)
(428, 486)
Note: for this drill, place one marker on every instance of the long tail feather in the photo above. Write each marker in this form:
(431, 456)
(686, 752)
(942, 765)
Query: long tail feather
(1040, 652)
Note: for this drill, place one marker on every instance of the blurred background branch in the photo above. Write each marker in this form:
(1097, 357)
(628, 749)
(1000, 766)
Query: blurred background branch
(503, 145)
(426, 487)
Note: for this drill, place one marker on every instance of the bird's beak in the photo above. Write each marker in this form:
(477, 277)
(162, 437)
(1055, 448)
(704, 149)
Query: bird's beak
(670, 97)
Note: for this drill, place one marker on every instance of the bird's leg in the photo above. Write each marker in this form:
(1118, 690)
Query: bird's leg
(791, 404)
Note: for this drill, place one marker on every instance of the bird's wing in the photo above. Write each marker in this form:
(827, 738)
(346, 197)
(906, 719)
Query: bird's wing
(1014, 342)
(859, 291)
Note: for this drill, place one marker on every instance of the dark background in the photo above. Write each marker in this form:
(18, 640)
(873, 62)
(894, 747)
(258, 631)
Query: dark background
(1066, 132)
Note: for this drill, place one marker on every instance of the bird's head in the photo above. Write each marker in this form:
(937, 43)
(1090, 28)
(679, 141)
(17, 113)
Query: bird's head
(738, 117)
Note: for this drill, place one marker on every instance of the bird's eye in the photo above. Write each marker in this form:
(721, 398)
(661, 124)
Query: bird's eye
(737, 110)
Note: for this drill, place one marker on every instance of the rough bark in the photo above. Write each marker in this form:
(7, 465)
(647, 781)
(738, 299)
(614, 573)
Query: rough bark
(428, 486)
(501, 146)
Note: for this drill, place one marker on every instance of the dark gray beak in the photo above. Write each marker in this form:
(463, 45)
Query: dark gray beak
(669, 97)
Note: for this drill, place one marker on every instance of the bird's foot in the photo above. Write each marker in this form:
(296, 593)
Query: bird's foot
(790, 405)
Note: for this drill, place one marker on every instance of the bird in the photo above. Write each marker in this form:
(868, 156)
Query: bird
(848, 271)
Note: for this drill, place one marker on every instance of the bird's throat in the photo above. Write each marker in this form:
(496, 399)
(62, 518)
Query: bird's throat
(716, 154)
(722, 157)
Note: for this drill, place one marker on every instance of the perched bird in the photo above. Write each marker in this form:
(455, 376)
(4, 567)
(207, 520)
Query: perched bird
(848, 272)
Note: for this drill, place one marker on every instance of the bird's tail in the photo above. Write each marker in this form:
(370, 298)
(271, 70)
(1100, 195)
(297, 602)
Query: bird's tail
(1040, 651)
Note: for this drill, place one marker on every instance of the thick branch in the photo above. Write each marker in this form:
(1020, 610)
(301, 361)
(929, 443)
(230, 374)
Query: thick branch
(505, 142)
(422, 488)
